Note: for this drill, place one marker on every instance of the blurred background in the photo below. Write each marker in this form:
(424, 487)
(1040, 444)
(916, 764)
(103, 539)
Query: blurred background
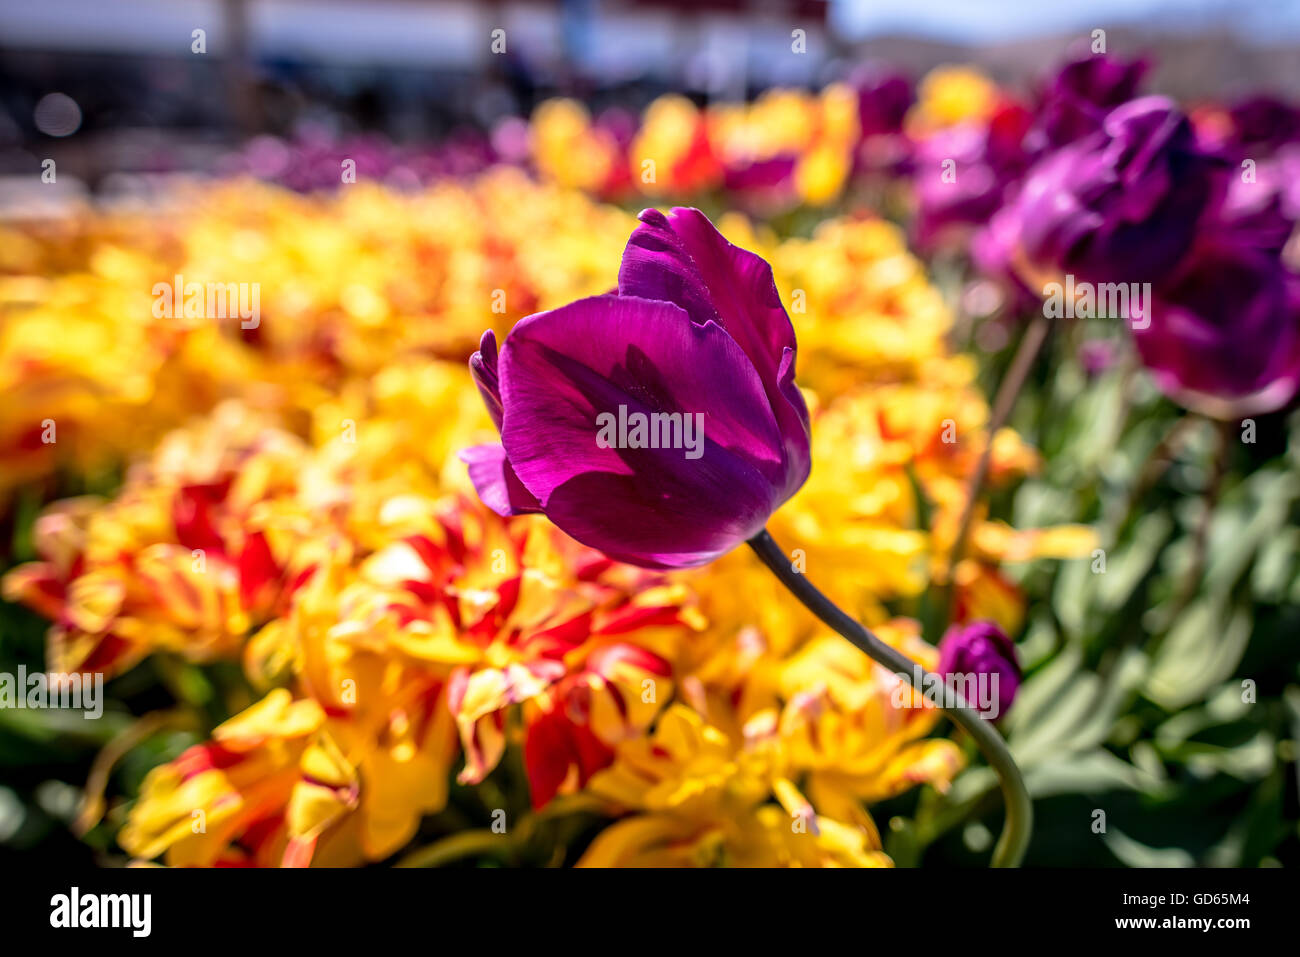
(117, 86)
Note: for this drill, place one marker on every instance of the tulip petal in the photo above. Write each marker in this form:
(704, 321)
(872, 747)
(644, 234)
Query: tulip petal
(561, 370)
(682, 258)
(483, 367)
(656, 265)
(1225, 337)
(496, 482)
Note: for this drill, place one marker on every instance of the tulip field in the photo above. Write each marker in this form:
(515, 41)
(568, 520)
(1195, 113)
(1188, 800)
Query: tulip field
(899, 473)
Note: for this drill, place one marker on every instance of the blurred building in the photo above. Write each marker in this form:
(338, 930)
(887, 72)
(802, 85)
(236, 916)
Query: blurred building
(159, 83)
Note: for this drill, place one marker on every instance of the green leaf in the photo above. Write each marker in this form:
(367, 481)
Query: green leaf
(1201, 650)
(1136, 854)
(1094, 772)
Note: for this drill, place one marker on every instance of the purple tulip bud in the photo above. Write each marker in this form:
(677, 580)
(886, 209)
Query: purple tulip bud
(1224, 337)
(1123, 204)
(660, 425)
(1098, 355)
(982, 648)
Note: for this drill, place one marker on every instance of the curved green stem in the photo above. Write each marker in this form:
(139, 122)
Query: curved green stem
(454, 847)
(1011, 846)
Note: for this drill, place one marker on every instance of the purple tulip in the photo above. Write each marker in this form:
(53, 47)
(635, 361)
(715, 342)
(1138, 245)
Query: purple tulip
(954, 182)
(962, 173)
(621, 124)
(982, 648)
(1258, 214)
(993, 250)
(1076, 100)
(767, 181)
(1285, 169)
(1123, 204)
(883, 100)
(1260, 210)
(695, 335)
(1224, 337)
(1264, 122)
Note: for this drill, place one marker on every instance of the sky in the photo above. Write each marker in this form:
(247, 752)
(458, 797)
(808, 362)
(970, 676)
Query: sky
(984, 21)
